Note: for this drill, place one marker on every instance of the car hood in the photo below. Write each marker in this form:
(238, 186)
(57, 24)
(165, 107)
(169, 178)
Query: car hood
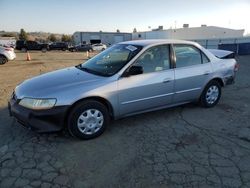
(56, 81)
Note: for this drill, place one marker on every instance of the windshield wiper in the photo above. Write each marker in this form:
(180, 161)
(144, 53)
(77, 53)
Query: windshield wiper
(90, 70)
(84, 68)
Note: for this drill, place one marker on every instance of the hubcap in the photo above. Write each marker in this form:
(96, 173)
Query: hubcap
(212, 94)
(90, 121)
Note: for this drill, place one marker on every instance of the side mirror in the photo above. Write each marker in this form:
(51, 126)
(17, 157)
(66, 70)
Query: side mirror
(135, 70)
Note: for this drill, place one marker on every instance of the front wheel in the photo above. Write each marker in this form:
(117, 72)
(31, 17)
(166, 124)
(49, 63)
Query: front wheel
(88, 119)
(3, 60)
(211, 94)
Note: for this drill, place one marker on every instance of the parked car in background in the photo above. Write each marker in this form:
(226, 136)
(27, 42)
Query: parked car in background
(8, 42)
(99, 47)
(81, 48)
(6, 54)
(31, 45)
(59, 46)
(128, 78)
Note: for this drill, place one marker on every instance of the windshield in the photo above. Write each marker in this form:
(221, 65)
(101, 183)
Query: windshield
(111, 60)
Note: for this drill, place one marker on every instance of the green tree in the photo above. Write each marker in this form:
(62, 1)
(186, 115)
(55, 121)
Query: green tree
(23, 35)
(52, 38)
(8, 35)
(66, 38)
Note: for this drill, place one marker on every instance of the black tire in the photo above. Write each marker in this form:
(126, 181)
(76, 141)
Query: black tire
(80, 109)
(207, 102)
(23, 49)
(3, 60)
(44, 50)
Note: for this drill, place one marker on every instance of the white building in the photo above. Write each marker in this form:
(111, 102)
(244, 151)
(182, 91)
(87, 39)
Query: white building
(193, 33)
(107, 38)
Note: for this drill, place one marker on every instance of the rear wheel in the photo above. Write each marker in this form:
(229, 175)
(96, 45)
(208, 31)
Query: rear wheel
(3, 60)
(88, 119)
(211, 94)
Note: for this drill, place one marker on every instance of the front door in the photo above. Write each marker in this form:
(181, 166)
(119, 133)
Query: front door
(152, 89)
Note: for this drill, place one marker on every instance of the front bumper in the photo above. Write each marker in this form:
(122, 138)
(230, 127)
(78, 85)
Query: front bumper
(50, 120)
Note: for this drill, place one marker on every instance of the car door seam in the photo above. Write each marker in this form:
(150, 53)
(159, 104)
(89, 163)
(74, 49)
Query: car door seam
(146, 98)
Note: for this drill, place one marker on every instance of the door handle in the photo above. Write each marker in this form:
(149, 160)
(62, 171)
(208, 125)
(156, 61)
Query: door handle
(166, 80)
(207, 73)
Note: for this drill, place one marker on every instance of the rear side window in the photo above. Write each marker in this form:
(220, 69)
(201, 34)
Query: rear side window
(187, 55)
(204, 58)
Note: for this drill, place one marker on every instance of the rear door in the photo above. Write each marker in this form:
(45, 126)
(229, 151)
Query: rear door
(152, 89)
(192, 71)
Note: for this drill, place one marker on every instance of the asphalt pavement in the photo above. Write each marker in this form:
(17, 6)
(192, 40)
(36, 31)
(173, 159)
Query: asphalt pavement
(186, 146)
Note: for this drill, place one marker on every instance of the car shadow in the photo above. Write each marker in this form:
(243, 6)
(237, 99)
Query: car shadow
(10, 128)
(140, 118)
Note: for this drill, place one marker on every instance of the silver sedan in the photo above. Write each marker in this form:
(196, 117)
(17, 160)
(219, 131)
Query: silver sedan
(126, 79)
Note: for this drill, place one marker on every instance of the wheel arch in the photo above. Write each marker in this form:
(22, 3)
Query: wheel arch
(219, 80)
(95, 98)
(4, 57)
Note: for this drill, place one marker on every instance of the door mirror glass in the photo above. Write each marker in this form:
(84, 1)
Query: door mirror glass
(135, 70)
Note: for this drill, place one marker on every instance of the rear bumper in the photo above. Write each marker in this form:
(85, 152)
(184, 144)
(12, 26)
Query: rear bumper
(13, 56)
(10, 56)
(50, 120)
(229, 80)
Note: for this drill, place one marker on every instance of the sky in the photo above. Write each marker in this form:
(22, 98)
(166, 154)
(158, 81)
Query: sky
(68, 16)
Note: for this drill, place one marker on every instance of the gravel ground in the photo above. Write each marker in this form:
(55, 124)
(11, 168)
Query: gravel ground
(186, 146)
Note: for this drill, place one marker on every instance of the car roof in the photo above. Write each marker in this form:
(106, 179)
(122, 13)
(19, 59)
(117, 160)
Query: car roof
(157, 41)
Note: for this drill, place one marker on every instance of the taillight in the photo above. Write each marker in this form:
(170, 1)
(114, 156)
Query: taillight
(236, 66)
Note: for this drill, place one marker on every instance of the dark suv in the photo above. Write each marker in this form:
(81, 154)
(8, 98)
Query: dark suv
(31, 45)
(59, 46)
(81, 48)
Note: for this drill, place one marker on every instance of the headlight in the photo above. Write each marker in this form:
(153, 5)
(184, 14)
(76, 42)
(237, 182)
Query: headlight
(37, 104)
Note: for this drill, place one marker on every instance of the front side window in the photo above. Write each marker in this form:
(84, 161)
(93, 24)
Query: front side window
(187, 55)
(111, 60)
(154, 59)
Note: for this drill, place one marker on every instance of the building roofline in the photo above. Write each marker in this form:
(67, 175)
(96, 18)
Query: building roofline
(182, 28)
(101, 32)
